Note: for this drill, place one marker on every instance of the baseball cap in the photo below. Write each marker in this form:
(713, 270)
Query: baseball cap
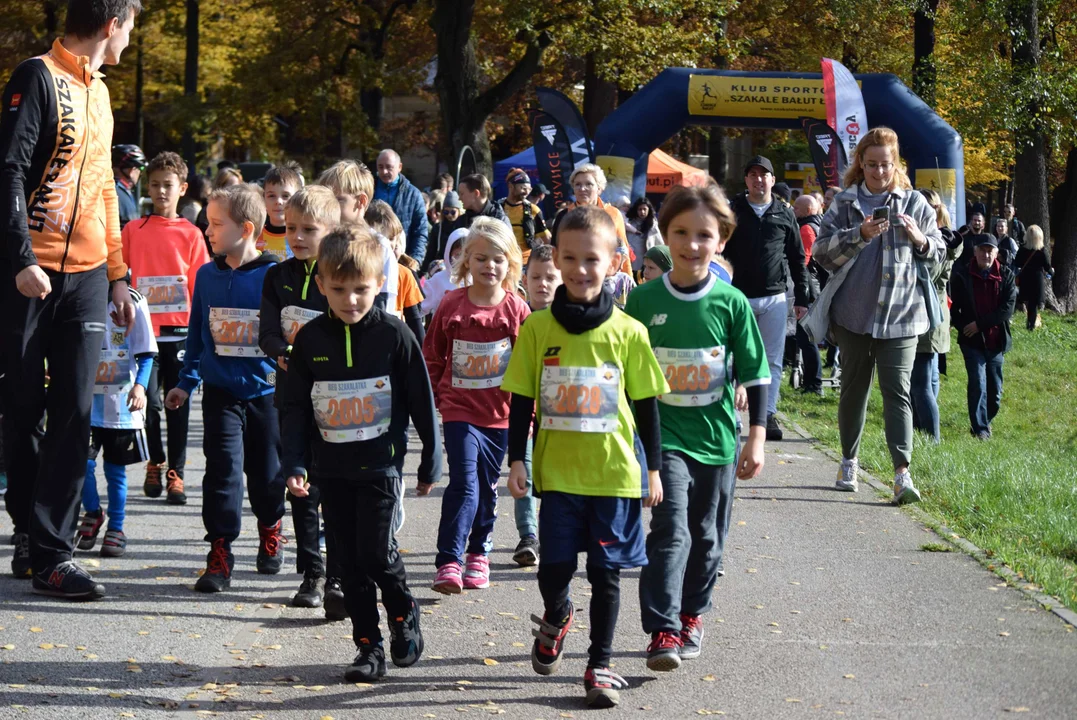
(984, 239)
(760, 161)
(541, 189)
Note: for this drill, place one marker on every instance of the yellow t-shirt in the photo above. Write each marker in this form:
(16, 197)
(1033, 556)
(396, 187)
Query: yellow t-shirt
(272, 241)
(516, 217)
(586, 428)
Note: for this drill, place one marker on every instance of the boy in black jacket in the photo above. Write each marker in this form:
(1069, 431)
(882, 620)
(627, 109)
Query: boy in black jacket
(355, 375)
(291, 299)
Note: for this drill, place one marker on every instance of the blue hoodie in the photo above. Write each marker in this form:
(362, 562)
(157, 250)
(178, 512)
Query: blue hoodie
(240, 368)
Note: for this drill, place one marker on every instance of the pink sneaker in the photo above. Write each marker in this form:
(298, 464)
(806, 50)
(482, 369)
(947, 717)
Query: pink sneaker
(448, 581)
(477, 572)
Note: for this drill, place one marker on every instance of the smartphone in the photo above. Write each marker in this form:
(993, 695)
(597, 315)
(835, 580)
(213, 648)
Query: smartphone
(881, 213)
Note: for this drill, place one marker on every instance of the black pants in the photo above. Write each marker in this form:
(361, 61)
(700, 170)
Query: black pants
(241, 437)
(554, 580)
(165, 376)
(46, 467)
(813, 365)
(359, 516)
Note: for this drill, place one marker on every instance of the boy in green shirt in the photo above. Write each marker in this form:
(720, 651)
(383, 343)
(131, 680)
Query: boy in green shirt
(583, 360)
(697, 325)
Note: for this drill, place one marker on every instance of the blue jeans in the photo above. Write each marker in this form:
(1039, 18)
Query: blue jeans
(985, 386)
(526, 513)
(116, 478)
(924, 394)
(771, 314)
(683, 551)
(469, 506)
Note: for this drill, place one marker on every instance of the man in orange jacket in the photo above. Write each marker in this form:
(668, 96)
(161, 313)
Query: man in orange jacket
(61, 226)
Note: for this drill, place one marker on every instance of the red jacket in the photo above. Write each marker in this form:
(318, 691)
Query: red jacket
(458, 370)
(155, 247)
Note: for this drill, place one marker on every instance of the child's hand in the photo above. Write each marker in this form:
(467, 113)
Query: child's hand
(654, 497)
(422, 489)
(740, 399)
(297, 486)
(175, 399)
(136, 399)
(751, 455)
(518, 479)
(282, 363)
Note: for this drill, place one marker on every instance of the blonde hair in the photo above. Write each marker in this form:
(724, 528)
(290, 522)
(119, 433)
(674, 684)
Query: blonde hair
(436, 200)
(350, 251)
(502, 240)
(381, 218)
(348, 177)
(942, 215)
(245, 204)
(877, 137)
(1034, 237)
(591, 169)
(317, 202)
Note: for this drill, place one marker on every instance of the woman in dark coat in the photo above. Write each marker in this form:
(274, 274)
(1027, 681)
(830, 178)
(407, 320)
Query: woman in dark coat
(1033, 267)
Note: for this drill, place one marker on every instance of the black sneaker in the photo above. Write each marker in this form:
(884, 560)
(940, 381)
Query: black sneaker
(20, 559)
(369, 663)
(311, 591)
(527, 552)
(89, 527)
(335, 610)
(813, 390)
(663, 654)
(774, 430)
(67, 580)
(151, 486)
(406, 638)
(270, 549)
(602, 686)
(114, 544)
(219, 564)
(549, 639)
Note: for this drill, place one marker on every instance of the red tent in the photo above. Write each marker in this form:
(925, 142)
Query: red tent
(664, 172)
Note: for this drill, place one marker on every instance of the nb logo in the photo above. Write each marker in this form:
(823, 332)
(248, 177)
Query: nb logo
(658, 319)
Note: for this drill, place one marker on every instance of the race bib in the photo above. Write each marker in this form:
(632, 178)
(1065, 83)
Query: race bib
(580, 399)
(164, 293)
(113, 372)
(292, 320)
(477, 366)
(696, 377)
(235, 331)
(352, 410)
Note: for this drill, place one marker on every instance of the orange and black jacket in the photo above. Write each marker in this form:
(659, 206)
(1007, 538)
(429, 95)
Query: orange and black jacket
(58, 205)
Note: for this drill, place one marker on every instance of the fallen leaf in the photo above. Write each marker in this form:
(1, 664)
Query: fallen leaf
(742, 523)
(115, 694)
(709, 678)
(1004, 634)
(435, 657)
(267, 691)
(273, 647)
(35, 629)
(7, 647)
(464, 682)
(752, 570)
(518, 644)
(793, 700)
(489, 661)
(143, 632)
(1020, 708)
(477, 617)
(850, 676)
(46, 646)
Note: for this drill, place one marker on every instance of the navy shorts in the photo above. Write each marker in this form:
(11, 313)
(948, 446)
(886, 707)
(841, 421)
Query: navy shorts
(608, 529)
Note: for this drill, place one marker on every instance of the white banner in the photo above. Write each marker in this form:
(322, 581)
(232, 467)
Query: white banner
(844, 105)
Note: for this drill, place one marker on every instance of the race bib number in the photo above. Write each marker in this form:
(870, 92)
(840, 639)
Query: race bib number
(477, 366)
(696, 377)
(235, 332)
(164, 294)
(580, 399)
(113, 372)
(353, 410)
(292, 320)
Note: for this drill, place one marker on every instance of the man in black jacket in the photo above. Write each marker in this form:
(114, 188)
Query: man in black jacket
(764, 250)
(476, 195)
(984, 293)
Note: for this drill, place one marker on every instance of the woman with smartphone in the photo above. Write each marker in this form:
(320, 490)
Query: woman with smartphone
(877, 240)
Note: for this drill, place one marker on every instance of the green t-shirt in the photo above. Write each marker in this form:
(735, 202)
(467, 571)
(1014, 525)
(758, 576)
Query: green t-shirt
(585, 440)
(695, 338)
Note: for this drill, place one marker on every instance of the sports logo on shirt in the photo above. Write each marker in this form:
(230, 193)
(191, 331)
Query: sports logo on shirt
(15, 100)
(550, 358)
(658, 320)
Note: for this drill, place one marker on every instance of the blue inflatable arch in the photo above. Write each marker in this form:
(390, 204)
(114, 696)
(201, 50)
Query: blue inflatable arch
(678, 97)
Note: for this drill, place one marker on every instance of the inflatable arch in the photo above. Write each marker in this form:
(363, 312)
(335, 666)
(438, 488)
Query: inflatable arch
(932, 150)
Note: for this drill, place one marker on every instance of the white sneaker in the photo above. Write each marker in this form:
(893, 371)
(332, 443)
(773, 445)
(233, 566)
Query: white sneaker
(904, 491)
(847, 476)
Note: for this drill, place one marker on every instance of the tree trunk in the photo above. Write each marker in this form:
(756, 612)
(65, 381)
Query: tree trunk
(464, 109)
(1064, 257)
(190, 83)
(140, 115)
(718, 141)
(1030, 176)
(923, 64)
(849, 57)
(599, 96)
(52, 22)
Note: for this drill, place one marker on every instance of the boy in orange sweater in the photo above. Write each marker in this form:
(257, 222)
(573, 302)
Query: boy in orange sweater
(164, 252)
